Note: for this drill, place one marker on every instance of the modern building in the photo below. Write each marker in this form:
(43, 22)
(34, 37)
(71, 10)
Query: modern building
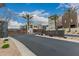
(51, 23)
(35, 26)
(70, 19)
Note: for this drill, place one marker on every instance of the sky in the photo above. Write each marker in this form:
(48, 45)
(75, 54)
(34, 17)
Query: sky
(48, 7)
(40, 11)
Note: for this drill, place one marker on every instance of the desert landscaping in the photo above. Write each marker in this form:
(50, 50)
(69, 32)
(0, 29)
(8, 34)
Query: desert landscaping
(12, 50)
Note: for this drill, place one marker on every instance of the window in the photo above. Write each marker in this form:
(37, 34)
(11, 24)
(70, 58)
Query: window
(71, 20)
(65, 21)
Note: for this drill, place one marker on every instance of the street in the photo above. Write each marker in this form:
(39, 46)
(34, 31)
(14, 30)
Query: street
(48, 47)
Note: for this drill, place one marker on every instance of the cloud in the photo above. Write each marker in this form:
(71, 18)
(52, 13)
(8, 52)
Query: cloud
(68, 5)
(63, 5)
(40, 20)
(74, 5)
(14, 24)
(36, 12)
(40, 13)
(39, 16)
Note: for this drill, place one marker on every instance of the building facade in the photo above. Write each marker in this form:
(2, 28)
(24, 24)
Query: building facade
(70, 19)
(51, 25)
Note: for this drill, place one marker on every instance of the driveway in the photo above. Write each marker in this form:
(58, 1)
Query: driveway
(48, 47)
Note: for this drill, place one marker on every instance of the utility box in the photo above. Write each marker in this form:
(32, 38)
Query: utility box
(3, 29)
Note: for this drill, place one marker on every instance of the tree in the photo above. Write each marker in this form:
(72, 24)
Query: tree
(2, 5)
(70, 12)
(28, 17)
(69, 16)
(54, 17)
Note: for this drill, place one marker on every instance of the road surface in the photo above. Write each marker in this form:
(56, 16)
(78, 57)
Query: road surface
(48, 47)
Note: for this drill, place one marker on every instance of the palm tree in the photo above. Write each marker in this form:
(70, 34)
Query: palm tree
(28, 17)
(54, 17)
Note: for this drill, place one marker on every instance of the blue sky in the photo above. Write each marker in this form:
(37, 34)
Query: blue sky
(50, 8)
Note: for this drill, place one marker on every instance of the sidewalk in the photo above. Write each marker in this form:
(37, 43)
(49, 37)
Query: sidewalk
(22, 48)
(11, 51)
(60, 38)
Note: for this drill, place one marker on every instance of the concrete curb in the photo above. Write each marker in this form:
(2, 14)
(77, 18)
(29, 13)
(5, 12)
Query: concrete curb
(76, 41)
(22, 48)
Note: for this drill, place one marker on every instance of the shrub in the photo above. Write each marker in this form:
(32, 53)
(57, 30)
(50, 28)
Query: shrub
(68, 32)
(5, 40)
(5, 45)
(75, 30)
(65, 37)
(78, 33)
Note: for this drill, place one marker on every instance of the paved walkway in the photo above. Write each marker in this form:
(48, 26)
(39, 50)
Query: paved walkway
(22, 48)
(11, 51)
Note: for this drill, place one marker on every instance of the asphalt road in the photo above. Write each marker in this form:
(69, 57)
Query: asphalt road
(48, 47)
